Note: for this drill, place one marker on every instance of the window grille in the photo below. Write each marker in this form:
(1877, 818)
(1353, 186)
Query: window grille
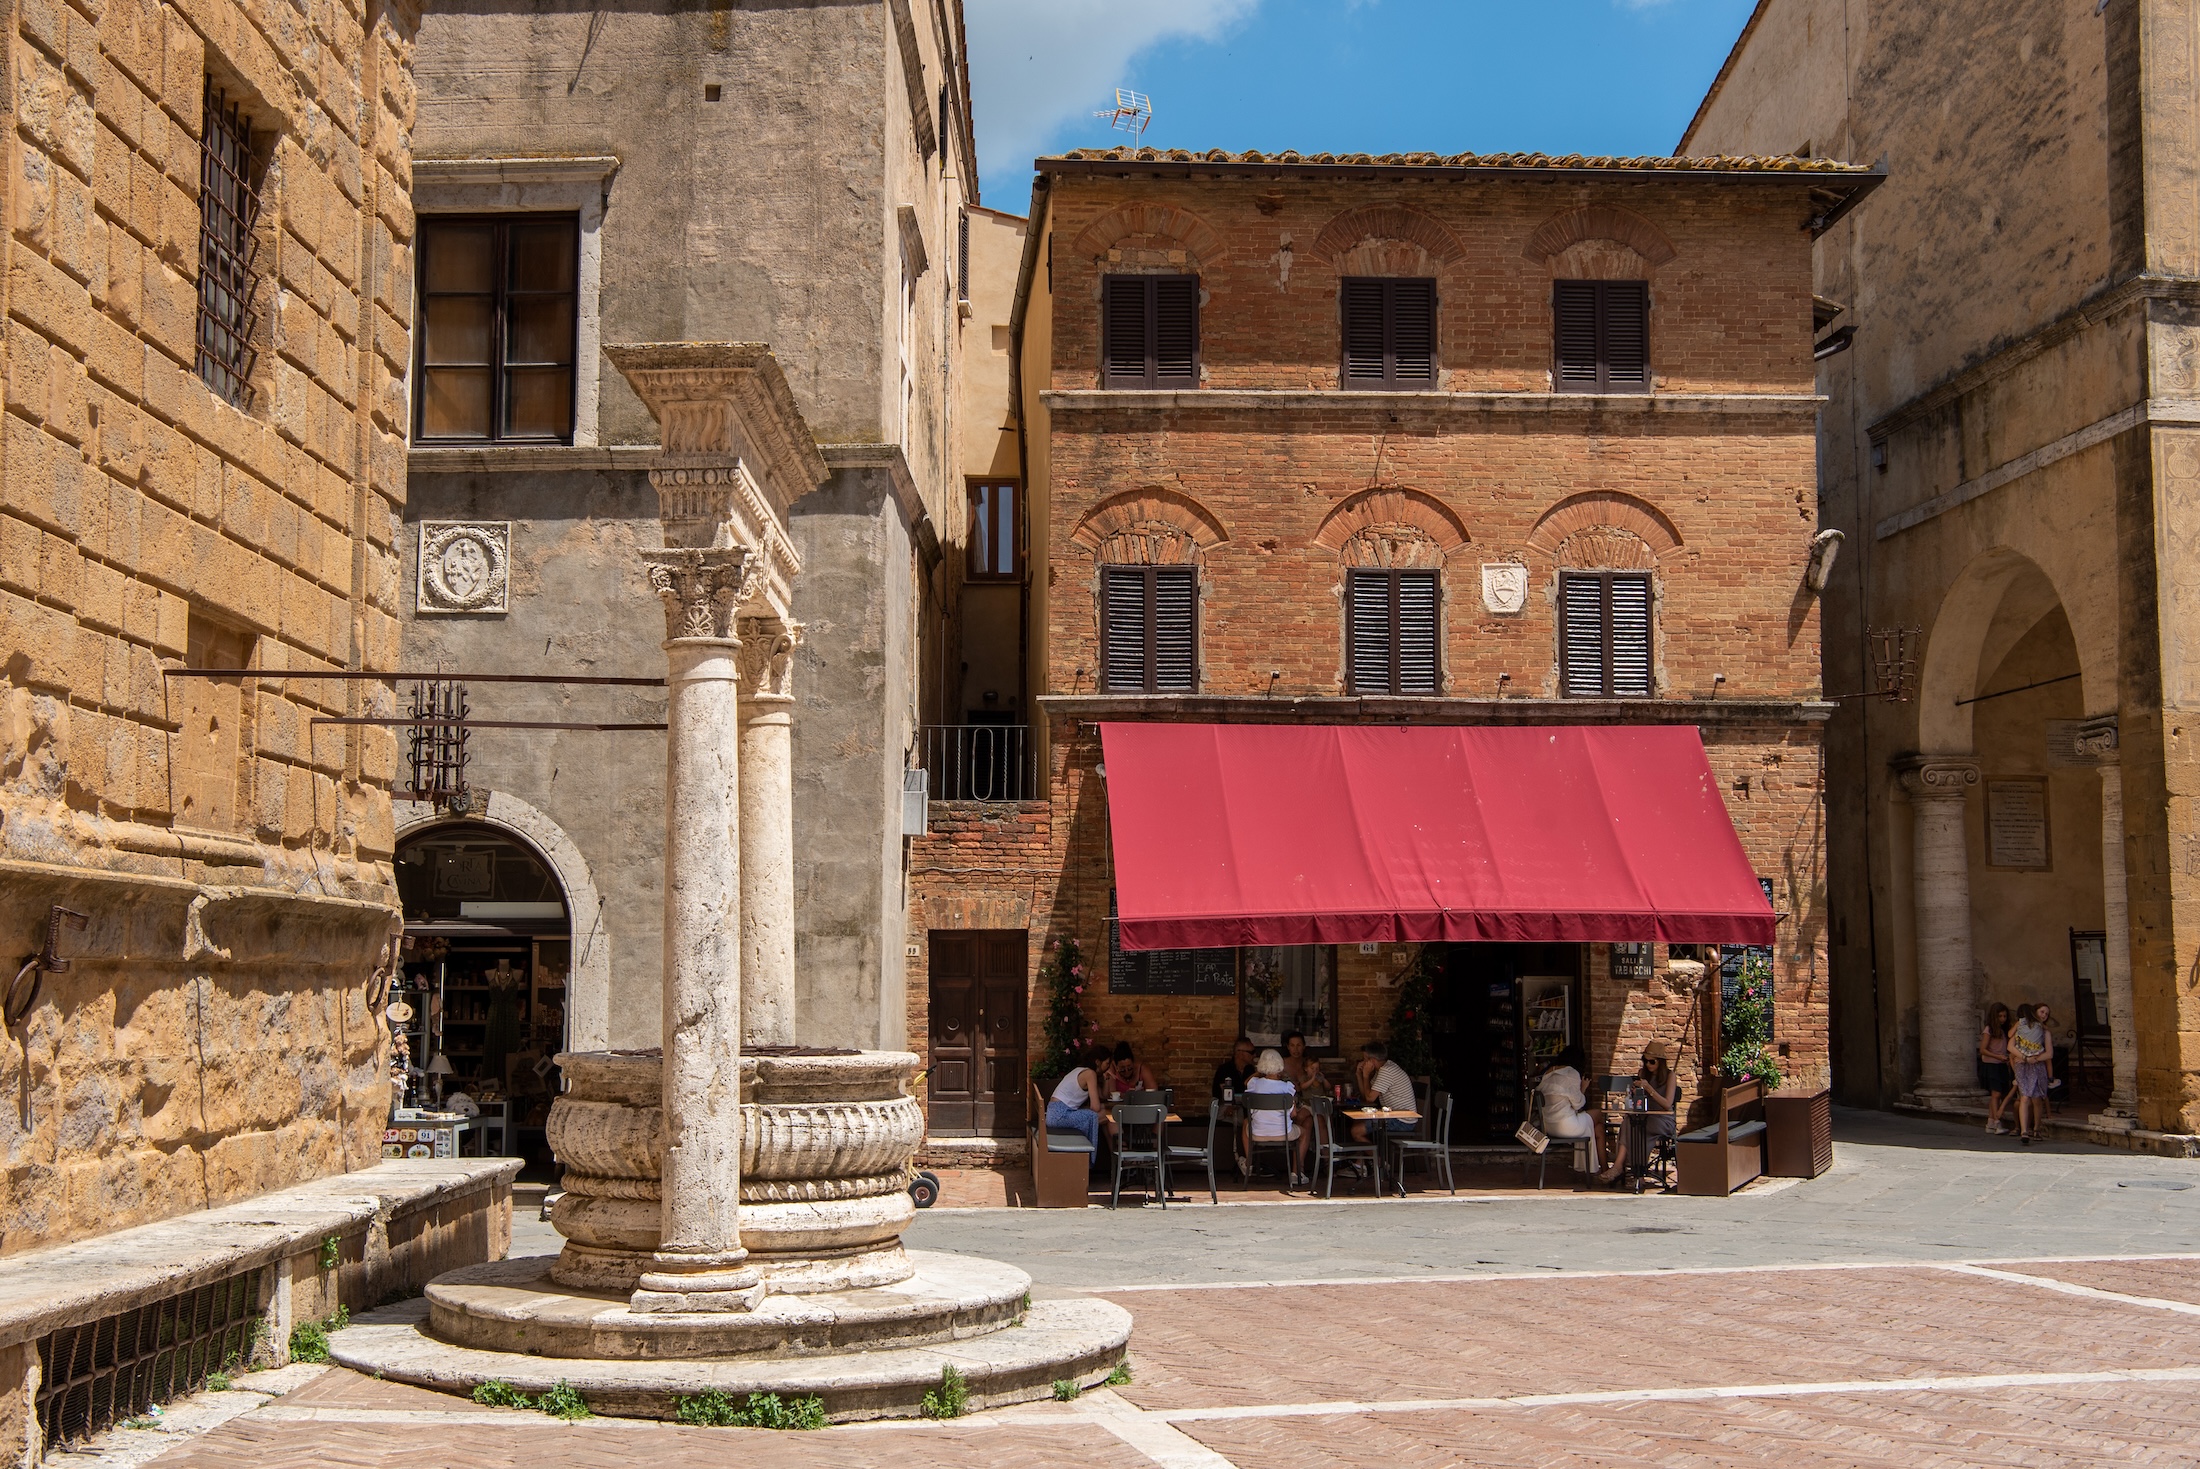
(95, 1375)
(1604, 635)
(1149, 636)
(1393, 631)
(229, 247)
(1601, 336)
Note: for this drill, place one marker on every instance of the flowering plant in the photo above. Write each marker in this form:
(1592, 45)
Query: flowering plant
(1412, 1027)
(1067, 1030)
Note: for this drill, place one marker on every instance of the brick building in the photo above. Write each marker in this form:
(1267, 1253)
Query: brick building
(1409, 441)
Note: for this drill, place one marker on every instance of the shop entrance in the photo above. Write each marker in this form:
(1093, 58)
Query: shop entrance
(1500, 1013)
(489, 949)
(978, 984)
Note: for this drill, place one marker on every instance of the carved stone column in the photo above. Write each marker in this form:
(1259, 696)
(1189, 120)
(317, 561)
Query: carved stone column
(699, 1264)
(2098, 742)
(767, 830)
(1947, 986)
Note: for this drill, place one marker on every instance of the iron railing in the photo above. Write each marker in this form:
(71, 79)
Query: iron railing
(101, 1373)
(979, 762)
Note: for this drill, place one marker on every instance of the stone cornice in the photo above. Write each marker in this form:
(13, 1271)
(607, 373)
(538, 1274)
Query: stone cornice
(530, 459)
(894, 464)
(1448, 405)
(1256, 709)
(680, 382)
(580, 168)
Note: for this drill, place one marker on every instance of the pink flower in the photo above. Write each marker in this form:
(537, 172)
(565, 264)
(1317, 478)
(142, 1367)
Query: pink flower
(1078, 991)
(1077, 969)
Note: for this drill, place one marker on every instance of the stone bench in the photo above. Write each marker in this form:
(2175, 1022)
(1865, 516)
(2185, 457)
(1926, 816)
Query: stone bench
(396, 1226)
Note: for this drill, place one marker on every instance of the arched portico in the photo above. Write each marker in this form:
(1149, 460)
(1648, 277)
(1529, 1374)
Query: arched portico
(588, 998)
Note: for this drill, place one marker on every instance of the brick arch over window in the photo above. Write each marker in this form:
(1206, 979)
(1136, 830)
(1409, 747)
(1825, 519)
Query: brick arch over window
(1149, 527)
(1145, 223)
(1604, 529)
(1392, 526)
(1342, 235)
(1600, 222)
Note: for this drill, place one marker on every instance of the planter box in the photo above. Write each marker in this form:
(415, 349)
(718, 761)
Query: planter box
(1798, 1134)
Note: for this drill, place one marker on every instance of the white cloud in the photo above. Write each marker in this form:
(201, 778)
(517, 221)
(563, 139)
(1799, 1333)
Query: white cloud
(1038, 64)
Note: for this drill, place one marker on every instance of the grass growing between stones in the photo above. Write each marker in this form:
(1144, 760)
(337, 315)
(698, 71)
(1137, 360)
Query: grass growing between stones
(562, 1401)
(951, 1399)
(309, 1339)
(714, 1409)
(1121, 1376)
(1065, 1390)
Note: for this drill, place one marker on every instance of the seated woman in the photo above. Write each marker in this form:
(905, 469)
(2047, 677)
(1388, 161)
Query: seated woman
(1655, 1083)
(1269, 1080)
(1565, 1105)
(1126, 1073)
(1077, 1104)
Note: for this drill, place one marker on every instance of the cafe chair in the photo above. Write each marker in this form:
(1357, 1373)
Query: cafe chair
(1151, 1157)
(1436, 1147)
(1581, 1151)
(1175, 1155)
(1264, 1102)
(1328, 1151)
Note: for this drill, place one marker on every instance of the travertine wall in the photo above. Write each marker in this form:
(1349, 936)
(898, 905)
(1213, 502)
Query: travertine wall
(212, 1039)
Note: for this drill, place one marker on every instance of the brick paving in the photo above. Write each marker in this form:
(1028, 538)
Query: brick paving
(2167, 1280)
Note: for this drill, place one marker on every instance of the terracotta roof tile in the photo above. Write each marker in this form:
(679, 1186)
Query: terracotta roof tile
(1653, 164)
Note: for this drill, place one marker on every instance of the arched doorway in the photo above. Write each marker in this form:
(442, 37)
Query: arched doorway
(488, 962)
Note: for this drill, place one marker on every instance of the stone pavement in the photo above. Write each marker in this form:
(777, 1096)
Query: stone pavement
(1938, 1300)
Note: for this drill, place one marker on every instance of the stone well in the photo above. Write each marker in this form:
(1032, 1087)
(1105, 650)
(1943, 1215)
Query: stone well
(826, 1137)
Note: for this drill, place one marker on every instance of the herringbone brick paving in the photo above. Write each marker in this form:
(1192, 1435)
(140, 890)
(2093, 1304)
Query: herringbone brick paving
(2168, 1280)
(1586, 1334)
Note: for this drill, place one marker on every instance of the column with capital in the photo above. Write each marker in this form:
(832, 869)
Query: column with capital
(1947, 987)
(2098, 742)
(699, 1264)
(767, 830)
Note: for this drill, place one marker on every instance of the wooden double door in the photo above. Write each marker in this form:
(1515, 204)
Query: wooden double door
(978, 1065)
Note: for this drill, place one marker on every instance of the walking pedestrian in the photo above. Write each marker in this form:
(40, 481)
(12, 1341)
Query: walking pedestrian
(1994, 1073)
(2030, 1050)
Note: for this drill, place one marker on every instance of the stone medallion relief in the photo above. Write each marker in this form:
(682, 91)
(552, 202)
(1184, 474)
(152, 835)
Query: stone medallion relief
(465, 566)
(1504, 586)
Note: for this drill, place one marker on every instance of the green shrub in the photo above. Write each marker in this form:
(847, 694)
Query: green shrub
(951, 1399)
(1065, 1390)
(713, 1409)
(309, 1339)
(332, 1252)
(217, 1382)
(496, 1393)
(1746, 1026)
(563, 1401)
(1121, 1376)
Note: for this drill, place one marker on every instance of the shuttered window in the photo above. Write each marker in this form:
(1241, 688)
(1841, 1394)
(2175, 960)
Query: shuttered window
(1392, 631)
(1604, 635)
(1149, 331)
(1149, 630)
(1601, 331)
(1389, 333)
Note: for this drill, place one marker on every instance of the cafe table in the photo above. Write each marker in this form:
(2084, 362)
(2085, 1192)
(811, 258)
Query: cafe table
(1380, 1135)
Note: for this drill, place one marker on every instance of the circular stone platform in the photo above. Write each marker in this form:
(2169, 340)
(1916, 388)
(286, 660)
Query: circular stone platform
(1081, 1340)
(514, 1306)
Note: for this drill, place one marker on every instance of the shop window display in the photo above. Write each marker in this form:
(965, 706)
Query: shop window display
(1287, 988)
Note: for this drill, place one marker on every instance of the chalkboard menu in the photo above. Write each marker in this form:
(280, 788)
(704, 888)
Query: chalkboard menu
(1167, 971)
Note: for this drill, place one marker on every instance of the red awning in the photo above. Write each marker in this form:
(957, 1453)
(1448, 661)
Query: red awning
(1231, 834)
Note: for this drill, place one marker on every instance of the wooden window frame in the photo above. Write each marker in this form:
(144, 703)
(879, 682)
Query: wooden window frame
(1148, 380)
(1391, 576)
(500, 296)
(1602, 309)
(1390, 382)
(1650, 629)
(971, 571)
(1151, 573)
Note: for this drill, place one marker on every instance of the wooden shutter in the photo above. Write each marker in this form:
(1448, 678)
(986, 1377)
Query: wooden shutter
(1417, 599)
(1413, 333)
(1364, 337)
(1625, 320)
(1628, 649)
(1175, 630)
(1126, 347)
(1581, 636)
(1574, 329)
(1123, 629)
(1175, 331)
(1367, 634)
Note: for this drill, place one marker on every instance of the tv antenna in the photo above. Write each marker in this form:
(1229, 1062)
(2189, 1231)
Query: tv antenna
(1130, 114)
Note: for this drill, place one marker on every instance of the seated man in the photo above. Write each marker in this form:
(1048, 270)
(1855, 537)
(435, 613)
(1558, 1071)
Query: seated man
(1384, 1082)
(1236, 1071)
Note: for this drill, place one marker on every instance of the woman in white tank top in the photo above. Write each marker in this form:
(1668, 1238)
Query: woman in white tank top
(1076, 1104)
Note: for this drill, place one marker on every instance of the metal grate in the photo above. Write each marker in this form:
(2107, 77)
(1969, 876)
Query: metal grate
(1894, 662)
(229, 247)
(93, 1376)
(439, 737)
(978, 762)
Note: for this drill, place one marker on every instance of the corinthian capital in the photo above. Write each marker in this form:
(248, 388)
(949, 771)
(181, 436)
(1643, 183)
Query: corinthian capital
(701, 589)
(1937, 777)
(767, 656)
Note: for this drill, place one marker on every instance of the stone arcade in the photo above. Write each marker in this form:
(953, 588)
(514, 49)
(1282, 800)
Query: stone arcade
(733, 1222)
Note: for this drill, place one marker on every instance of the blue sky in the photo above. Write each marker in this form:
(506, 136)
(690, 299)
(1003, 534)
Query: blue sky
(1374, 76)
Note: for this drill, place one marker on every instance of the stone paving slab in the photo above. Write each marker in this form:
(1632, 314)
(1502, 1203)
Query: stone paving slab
(1573, 1334)
(2030, 1427)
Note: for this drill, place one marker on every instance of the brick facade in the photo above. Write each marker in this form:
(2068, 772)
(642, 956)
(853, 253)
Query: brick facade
(1273, 483)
